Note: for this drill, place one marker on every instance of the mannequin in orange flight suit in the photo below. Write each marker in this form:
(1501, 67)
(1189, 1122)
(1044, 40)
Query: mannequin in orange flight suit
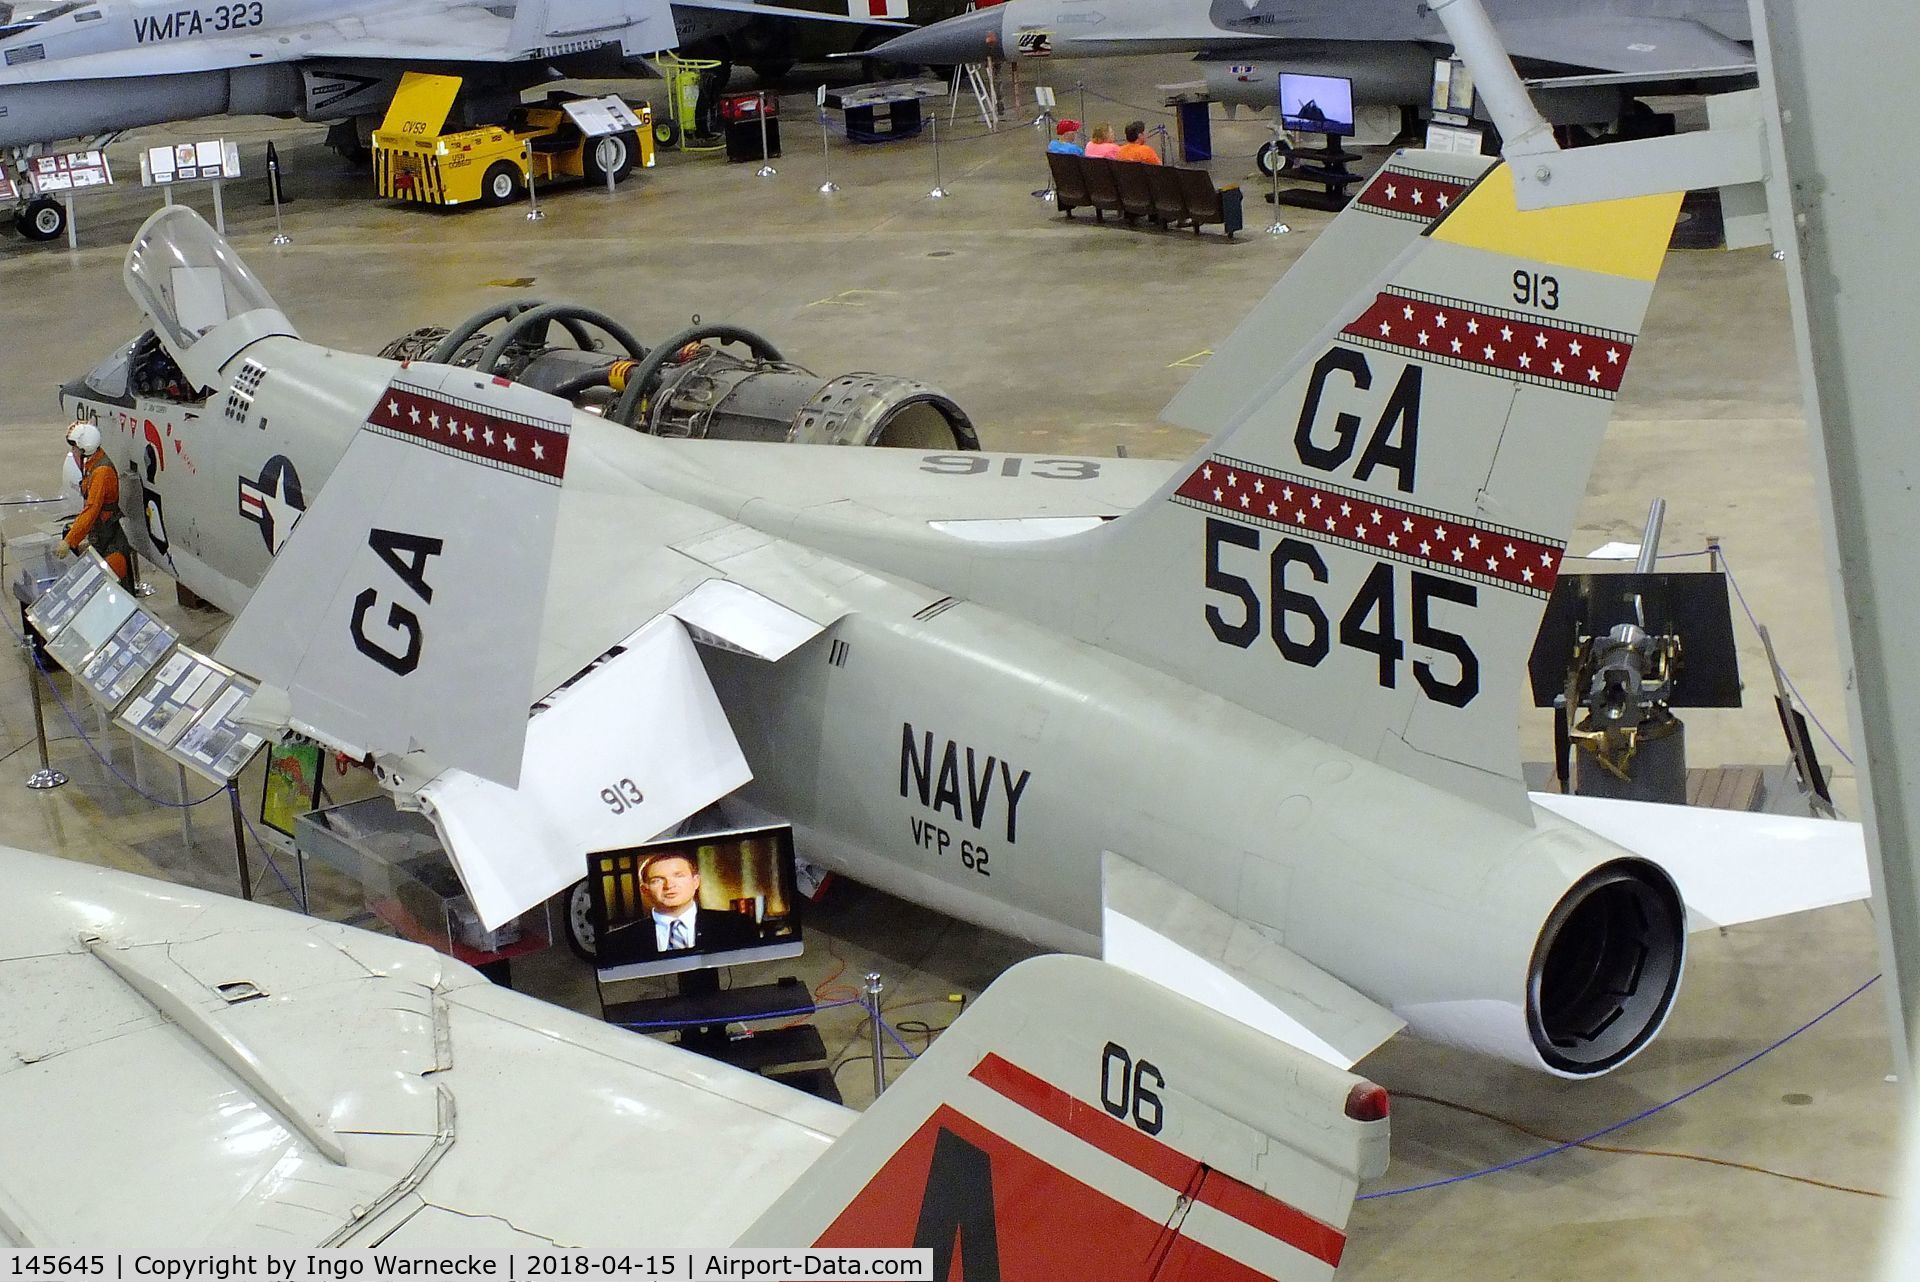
(99, 521)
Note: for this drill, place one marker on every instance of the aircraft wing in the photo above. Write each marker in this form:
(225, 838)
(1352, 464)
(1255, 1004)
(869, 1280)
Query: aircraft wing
(753, 9)
(1732, 866)
(401, 33)
(174, 1074)
(1161, 932)
(1628, 45)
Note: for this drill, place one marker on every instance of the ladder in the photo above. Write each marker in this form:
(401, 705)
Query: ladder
(986, 93)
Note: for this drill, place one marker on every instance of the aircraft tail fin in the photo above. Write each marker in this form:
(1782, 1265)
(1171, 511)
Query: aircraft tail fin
(1080, 1121)
(1365, 546)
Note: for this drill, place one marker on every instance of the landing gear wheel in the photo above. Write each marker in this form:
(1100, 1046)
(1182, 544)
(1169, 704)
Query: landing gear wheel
(579, 925)
(502, 184)
(620, 151)
(769, 72)
(1275, 157)
(42, 219)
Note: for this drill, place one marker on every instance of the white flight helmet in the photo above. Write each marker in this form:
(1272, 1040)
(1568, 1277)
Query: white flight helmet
(84, 436)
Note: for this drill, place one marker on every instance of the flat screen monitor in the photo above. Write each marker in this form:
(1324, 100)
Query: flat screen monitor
(695, 902)
(1316, 104)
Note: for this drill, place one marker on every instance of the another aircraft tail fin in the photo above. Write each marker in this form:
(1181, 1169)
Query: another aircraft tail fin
(1365, 546)
(1081, 1122)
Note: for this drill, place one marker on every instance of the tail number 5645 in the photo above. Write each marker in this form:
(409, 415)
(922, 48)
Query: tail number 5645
(1302, 631)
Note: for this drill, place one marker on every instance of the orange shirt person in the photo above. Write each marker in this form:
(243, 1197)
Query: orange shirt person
(1135, 150)
(99, 521)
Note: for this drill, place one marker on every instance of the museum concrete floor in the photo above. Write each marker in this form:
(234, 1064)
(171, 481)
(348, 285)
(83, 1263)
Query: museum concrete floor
(1066, 337)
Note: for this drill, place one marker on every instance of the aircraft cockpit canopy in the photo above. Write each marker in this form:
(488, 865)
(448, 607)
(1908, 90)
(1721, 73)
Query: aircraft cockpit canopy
(203, 301)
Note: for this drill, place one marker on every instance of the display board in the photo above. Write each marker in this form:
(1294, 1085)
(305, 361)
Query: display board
(133, 651)
(598, 117)
(92, 626)
(189, 162)
(60, 602)
(9, 194)
(188, 708)
(69, 171)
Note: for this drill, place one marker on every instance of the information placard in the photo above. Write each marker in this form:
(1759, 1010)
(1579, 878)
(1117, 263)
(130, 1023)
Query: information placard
(598, 117)
(189, 709)
(189, 162)
(69, 171)
(60, 602)
(128, 656)
(92, 625)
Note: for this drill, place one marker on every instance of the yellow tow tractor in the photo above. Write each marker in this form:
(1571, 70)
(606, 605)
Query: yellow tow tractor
(566, 136)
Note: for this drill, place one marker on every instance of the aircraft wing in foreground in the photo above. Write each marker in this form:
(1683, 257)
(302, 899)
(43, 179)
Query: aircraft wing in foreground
(175, 1074)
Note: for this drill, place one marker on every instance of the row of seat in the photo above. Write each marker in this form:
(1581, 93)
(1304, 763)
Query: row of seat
(1165, 194)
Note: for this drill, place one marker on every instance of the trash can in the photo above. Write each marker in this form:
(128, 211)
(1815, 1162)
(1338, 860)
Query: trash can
(740, 116)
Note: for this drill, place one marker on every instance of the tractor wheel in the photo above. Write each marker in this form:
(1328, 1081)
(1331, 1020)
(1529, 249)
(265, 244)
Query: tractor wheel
(504, 183)
(623, 149)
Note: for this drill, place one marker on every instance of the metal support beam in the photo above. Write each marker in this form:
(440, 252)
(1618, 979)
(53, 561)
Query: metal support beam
(1841, 210)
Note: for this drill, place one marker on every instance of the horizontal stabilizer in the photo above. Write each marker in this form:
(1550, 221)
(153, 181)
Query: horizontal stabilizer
(1637, 44)
(1173, 937)
(614, 759)
(1732, 866)
(1080, 1122)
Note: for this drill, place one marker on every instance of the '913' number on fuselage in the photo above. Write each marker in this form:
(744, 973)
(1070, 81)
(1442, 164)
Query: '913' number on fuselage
(1303, 632)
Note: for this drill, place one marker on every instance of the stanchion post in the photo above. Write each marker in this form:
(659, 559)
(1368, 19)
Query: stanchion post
(766, 169)
(141, 588)
(827, 185)
(1276, 228)
(240, 842)
(73, 224)
(879, 1046)
(219, 206)
(534, 212)
(280, 236)
(939, 191)
(46, 776)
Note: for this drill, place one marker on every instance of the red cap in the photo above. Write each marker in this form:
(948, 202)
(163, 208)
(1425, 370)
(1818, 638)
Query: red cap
(1066, 127)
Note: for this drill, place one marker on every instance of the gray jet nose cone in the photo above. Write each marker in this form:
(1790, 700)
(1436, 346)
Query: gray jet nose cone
(971, 37)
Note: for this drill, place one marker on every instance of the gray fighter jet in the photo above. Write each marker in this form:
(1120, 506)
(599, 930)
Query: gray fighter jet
(1594, 47)
(95, 67)
(1246, 724)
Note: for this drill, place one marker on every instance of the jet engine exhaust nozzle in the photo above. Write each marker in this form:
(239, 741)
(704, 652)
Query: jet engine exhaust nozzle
(1606, 968)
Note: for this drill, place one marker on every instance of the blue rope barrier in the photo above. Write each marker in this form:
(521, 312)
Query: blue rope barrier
(1641, 1116)
(666, 1025)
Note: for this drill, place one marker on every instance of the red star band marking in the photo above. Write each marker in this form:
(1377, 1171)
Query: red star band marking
(1447, 331)
(484, 434)
(1490, 554)
(1411, 195)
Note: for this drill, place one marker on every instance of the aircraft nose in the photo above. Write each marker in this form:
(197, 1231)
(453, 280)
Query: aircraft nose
(971, 37)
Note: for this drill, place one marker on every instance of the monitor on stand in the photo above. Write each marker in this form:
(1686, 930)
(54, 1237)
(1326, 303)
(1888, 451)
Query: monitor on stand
(1319, 105)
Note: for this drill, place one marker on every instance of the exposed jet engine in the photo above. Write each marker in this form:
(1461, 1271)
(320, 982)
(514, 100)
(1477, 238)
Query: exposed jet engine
(690, 386)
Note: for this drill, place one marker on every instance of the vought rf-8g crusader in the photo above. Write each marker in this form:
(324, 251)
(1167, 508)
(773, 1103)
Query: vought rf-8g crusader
(1246, 725)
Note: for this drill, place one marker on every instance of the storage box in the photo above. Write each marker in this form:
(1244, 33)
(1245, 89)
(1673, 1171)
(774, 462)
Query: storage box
(408, 881)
